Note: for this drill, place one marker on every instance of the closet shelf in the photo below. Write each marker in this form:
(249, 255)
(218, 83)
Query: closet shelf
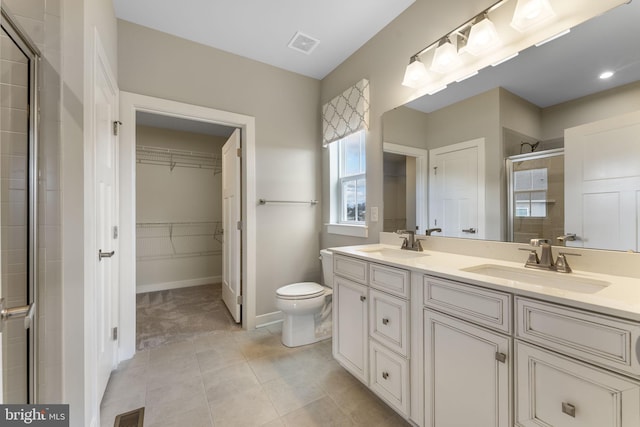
(178, 158)
(157, 240)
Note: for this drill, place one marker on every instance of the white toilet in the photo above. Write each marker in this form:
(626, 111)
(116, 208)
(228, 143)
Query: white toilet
(307, 307)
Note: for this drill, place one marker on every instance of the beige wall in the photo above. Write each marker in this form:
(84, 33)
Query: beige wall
(599, 106)
(285, 106)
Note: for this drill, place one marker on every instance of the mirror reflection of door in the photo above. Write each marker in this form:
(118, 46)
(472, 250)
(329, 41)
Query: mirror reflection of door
(457, 190)
(17, 214)
(536, 196)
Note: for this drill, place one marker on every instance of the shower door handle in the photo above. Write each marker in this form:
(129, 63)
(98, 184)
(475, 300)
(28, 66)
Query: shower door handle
(25, 311)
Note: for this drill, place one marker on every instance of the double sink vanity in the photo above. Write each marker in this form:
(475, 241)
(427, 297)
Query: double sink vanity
(454, 340)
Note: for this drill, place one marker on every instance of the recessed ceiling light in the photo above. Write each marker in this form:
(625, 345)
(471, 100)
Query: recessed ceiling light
(303, 43)
(606, 75)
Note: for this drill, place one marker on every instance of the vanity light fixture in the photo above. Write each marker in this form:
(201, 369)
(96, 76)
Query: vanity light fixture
(531, 13)
(446, 57)
(416, 73)
(483, 36)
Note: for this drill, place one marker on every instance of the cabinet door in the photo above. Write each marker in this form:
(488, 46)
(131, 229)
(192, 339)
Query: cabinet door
(556, 391)
(350, 327)
(467, 374)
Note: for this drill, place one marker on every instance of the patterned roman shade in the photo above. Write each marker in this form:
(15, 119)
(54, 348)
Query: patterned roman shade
(346, 113)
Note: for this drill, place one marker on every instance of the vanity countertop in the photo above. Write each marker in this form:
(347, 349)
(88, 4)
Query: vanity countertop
(620, 298)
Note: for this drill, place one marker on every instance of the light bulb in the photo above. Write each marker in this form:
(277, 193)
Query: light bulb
(483, 37)
(445, 58)
(531, 13)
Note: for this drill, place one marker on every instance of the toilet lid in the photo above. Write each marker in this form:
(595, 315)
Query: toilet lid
(301, 290)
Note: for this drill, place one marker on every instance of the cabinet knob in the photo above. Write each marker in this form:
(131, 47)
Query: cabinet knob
(501, 357)
(385, 375)
(569, 409)
(385, 321)
(363, 298)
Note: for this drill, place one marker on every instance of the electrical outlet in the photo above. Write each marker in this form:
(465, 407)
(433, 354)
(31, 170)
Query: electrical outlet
(374, 214)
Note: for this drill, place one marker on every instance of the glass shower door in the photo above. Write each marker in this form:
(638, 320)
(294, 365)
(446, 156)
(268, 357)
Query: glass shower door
(536, 196)
(17, 213)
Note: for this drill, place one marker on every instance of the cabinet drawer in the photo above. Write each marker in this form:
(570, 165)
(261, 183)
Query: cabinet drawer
(388, 319)
(389, 377)
(596, 338)
(389, 279)
(483, 306)
(552, 390)
(350, 268)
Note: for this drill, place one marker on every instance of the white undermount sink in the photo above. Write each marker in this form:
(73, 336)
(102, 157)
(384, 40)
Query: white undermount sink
(393, 253)
(552, 279)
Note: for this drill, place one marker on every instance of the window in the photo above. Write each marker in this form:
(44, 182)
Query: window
(530, 192)
(348, 185)
(352, 178)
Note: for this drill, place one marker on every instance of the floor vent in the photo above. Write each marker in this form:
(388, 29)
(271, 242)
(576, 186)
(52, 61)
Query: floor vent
(133, 418)
(303, 43)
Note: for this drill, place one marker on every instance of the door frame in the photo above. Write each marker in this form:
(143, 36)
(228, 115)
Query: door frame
(130, 103)
(422, 174)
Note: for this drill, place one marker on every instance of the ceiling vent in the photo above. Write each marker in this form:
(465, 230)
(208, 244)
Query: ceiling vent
(303, 43)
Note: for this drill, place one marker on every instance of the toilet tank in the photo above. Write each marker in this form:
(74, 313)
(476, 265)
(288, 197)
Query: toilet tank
(327, 267)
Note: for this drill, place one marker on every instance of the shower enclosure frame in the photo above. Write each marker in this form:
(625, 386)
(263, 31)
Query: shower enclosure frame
(509, 161)
(26, 45)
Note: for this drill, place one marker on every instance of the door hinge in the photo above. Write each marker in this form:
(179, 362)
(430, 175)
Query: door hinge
(116, 126)
(239, 299)
(239, 225)
(115, 231)
(435, 222)
(435, 170)
(239, 152)
(114, 334)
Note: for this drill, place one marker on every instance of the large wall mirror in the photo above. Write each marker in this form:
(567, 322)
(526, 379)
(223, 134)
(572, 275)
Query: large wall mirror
(555, 148)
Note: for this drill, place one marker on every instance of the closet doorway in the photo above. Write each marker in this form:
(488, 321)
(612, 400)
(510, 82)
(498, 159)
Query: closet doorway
(182, 254)
(171, 209)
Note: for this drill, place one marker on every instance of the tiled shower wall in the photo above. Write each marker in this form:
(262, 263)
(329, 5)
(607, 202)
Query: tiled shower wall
(41, 20)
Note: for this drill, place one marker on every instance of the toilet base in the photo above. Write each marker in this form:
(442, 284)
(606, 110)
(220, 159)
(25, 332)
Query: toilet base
(304, 332)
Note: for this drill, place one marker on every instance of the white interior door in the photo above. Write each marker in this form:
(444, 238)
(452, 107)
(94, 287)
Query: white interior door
(456, 190)
(106, 194)
(231, 248)
(603, 171)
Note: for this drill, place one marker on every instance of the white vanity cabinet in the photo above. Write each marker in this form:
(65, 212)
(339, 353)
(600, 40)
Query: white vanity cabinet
(350, 316)
(371, 327)
(467, 366)
(564, 359)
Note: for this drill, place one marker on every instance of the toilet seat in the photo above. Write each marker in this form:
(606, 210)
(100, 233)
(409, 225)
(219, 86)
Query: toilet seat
(302, 290)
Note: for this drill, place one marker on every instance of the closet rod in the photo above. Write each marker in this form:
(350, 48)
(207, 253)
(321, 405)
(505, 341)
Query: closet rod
(312, 202)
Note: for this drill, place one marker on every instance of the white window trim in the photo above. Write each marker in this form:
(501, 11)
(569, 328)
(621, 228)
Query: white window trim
(335, 226)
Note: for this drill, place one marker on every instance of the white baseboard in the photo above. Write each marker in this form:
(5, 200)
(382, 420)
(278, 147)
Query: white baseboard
(154, 287)
(263, 320)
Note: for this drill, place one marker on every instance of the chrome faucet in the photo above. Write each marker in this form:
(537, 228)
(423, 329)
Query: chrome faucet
(410, 242)
(428, 231)
(545, 262)
(569, 237)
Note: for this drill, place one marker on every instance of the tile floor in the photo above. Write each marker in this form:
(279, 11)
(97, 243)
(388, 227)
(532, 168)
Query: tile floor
(228, 378)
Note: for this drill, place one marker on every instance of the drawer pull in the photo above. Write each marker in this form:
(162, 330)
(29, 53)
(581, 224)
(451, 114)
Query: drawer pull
(385, 321)
(501, 357)
(569, 409)
(363, 298)
(385, 375)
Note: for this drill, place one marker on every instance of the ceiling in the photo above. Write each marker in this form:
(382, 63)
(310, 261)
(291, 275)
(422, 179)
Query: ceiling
(261, 30)
(563, 69)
